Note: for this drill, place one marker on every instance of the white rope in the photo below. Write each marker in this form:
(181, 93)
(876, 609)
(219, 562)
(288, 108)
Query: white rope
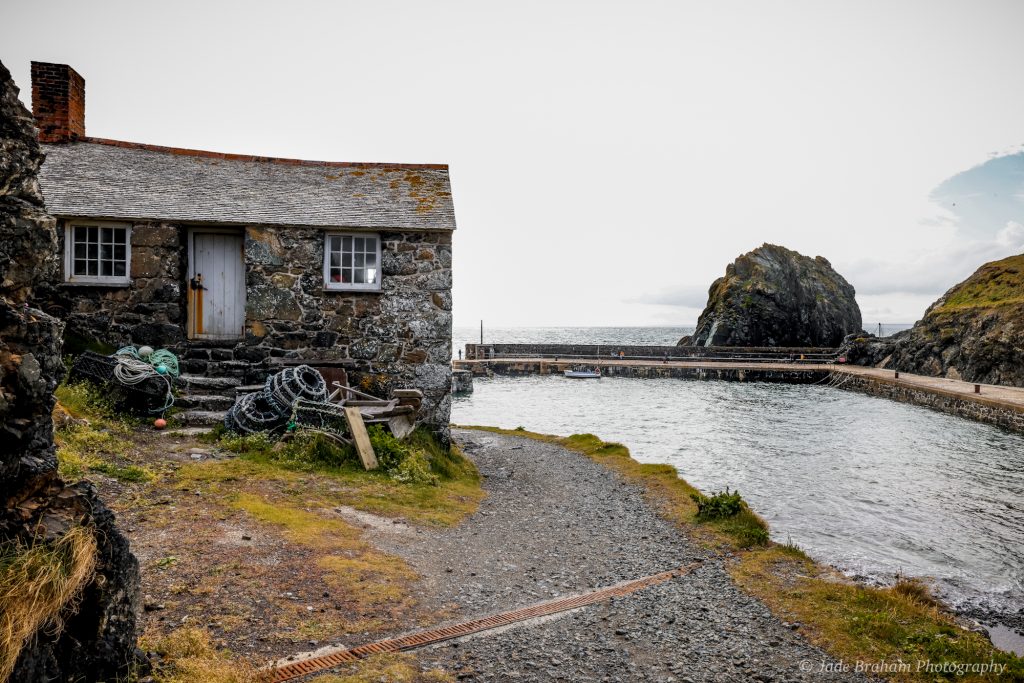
(130, 371)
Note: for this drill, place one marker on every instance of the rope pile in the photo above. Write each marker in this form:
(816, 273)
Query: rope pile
(136, 366)
(272, 408)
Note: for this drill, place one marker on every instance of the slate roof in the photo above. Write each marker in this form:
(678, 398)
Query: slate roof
(119, 180)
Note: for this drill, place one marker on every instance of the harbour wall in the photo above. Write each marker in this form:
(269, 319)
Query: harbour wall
(971, 407)
(596, 351)
(1005, 414)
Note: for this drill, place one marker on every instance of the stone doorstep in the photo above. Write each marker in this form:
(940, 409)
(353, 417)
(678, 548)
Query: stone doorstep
(200, 418)
(205, 401)
(211, 384)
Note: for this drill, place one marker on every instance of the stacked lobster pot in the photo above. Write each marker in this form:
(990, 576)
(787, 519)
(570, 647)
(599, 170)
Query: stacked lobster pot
(271, 409)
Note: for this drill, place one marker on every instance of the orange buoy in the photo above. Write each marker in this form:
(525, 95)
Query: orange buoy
(159, 423)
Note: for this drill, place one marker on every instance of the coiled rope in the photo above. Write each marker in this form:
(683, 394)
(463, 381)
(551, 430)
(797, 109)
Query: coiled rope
(135, 366)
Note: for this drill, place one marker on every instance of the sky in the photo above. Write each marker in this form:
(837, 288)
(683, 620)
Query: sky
(608, 159)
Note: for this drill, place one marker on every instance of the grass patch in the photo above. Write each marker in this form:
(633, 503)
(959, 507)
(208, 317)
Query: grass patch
(95, 433)
(441, 488)
(999, 283)
(37, 581)
(84, 448)
(370, 578)
(385, 668)
(860, 623)
(850, 621)
(188, 656)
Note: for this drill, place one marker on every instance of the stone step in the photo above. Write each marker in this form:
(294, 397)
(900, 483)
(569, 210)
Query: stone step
(248, 389)
(210, 384)
(204, 401)
(227, 368)
(200, 418)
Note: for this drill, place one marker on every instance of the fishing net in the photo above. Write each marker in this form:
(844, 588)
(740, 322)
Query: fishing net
(290, 384)
(320, 416)
(255, 413)
(132, 387)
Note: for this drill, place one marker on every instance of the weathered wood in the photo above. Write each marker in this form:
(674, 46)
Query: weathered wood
(362, 439)
(401, 425)
(407, 393)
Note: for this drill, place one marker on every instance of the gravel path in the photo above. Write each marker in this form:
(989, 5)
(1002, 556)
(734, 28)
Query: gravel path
(555, 523)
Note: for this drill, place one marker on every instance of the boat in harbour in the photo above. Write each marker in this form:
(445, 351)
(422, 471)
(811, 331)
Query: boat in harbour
(583, 373)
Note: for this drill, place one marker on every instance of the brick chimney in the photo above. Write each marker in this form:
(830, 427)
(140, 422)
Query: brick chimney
(58, 102)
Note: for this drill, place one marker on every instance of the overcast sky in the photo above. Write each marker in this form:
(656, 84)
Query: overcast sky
(608, 159)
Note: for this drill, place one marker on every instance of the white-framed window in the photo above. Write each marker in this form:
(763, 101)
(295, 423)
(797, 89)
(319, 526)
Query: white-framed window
(97, 252)
(352, 261)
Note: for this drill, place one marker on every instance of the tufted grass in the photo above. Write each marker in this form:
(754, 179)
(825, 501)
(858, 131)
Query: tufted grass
(188, 656)
(850, 621)
(858, 623)
(386, 668)
(37, 583)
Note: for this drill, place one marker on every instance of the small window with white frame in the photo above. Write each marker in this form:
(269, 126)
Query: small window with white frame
(97, 253)
(351, 261)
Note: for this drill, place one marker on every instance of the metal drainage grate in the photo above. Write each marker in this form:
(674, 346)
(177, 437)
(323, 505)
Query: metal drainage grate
(438, 635)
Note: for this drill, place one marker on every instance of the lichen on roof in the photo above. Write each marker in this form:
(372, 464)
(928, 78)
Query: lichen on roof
(105, 179)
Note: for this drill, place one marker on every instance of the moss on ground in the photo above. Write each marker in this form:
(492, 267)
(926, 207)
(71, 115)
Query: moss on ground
(92, 437)
(850, 621)
(449, 495)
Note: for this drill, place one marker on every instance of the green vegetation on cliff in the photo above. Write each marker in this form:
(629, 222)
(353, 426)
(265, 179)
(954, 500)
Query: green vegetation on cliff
(995, 284)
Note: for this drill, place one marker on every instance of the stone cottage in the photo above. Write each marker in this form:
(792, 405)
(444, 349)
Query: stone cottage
(245, 263)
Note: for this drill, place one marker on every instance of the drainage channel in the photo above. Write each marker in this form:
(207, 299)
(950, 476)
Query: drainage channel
(420, 639)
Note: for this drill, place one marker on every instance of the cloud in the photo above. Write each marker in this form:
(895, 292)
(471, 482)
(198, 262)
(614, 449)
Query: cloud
(979, 217)
(685, 296)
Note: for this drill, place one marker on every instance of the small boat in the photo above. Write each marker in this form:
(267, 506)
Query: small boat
(583, 373)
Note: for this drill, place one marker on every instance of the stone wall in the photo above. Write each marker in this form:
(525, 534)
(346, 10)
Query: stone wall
(152, 310)
(483, 351)
(399, 337)
(976, 408)
(98, 640)
(523, 367)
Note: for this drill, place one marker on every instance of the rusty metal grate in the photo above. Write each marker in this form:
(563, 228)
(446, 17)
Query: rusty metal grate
(438, 635)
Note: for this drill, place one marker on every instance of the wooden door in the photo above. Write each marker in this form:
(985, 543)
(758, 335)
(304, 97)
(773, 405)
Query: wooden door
(216, 285)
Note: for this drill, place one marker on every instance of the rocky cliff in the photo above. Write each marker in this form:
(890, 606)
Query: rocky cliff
(975, 331)
(773, 296)
(37, 509)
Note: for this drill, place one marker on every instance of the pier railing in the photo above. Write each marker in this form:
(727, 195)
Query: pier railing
(595, 352)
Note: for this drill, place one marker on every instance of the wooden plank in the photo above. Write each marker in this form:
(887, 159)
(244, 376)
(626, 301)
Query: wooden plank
(361, 437)
(401, 426)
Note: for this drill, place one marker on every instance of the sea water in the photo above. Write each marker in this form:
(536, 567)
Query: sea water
(875, 487)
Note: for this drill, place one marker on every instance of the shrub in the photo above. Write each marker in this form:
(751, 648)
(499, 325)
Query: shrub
(718, 505)
(311, 451)
(730, 513)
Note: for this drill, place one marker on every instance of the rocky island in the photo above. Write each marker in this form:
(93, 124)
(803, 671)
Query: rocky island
(773, 296)
(974, 332)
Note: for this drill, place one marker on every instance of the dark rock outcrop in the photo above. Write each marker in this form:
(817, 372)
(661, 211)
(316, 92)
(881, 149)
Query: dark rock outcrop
(974, 332)
(773, 296)
(98, 638)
